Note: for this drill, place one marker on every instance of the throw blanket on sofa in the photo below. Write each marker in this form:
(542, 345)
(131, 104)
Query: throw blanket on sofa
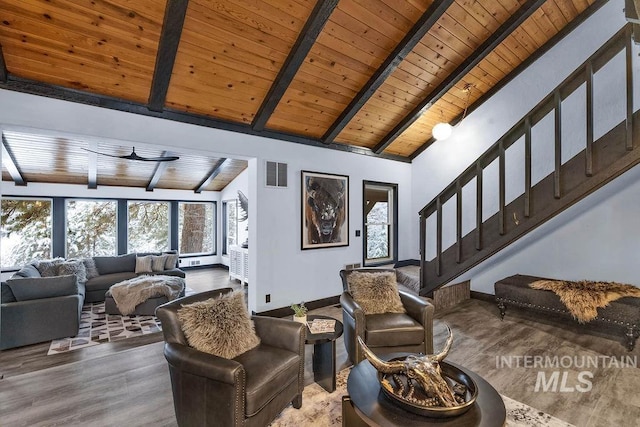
(129, 293)
(583, 298)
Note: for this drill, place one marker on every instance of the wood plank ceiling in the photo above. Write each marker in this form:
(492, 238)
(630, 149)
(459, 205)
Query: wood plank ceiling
(371, 76)
(38, 158)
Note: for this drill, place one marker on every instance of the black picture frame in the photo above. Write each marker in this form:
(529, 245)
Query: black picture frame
(324, 210)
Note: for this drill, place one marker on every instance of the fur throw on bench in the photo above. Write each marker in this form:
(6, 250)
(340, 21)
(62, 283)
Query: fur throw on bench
(129, 293)
(583, 298)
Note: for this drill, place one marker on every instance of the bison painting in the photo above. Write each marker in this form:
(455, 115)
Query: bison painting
(325, 210)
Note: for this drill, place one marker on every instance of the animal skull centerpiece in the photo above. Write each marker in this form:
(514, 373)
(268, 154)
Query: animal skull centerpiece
(421, 370)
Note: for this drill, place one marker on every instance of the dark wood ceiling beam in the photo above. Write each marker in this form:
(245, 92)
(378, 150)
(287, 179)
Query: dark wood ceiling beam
(215, 170)
(3, 67)
(92, 166)
(312, 28)
(19, 84)
(12, 166)
(463, 69)
(174, 15)
(161, 167)
(595, 6)
(410, 40)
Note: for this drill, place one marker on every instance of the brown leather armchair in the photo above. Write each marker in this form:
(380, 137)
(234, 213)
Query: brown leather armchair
(388, 332)
(249, 390)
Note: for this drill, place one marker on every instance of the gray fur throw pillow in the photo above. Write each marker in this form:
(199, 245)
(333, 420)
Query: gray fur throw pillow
(376, 293)
(220, 326)
(90, 266)
(49, 267)
(73, 267)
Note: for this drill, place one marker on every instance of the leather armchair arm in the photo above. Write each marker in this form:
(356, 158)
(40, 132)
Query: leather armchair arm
(351, 307)
(281, 333)
(422, 312)
(202, 364)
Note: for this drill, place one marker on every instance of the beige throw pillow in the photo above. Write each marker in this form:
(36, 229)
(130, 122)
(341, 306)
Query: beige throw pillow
(171, 262)
(219, 326)
(376, 293)
(157, 262)
(143, 264)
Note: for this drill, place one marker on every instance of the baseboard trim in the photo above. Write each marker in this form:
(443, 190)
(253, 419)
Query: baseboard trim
(202, 267)
(483, 296)
(407, 262)
(311, 305)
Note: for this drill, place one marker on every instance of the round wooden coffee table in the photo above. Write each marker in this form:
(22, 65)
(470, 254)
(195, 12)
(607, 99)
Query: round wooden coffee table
(366, 404)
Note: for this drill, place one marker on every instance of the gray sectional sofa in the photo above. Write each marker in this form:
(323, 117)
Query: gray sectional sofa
(36, 308)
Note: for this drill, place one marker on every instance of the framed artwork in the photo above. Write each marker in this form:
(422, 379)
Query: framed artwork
(325, 210)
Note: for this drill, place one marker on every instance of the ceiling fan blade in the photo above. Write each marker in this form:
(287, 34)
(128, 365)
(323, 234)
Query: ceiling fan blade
(104, 154)
(155, 159)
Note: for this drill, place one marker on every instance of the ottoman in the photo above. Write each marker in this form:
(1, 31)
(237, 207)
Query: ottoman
(147, 308)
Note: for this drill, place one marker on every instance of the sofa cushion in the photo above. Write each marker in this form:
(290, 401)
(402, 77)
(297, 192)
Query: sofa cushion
(115, 264)
(392, 330)
(49, 267)
(143, 264)
(104, 281)
(171, 261)
(25, 289)
(220, 326)
(158, 262)
(28, 270)
(90, 266)
(269, 370)
(73, 267)
(376, 292)
(6, 295)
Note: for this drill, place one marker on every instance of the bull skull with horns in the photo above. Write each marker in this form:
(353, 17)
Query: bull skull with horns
(424, 370)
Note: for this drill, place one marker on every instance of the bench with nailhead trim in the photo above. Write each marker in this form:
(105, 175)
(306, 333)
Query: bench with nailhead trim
(620, 315)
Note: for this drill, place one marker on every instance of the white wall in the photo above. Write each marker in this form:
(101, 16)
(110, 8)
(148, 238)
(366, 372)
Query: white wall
(278, 266)
(445, 160)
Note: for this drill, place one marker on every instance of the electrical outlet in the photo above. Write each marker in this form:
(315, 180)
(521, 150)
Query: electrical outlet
(357, 233)
(267, 298)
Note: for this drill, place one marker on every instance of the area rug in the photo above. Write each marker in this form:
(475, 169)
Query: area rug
(322, 409)
(96, 327)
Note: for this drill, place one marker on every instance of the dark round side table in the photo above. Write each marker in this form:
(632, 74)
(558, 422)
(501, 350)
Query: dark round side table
(324, 353)
(367, 405)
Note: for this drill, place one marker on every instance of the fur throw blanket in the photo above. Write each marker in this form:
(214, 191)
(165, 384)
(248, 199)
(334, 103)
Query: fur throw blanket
(583, 298)
(129, 293)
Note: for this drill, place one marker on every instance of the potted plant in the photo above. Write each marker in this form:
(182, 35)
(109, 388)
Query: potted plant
(299, 312)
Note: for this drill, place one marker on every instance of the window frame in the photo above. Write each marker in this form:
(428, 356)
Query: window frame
(66, 220)
(225, 236)
(392, 224)
(52, 227)
(213, 227)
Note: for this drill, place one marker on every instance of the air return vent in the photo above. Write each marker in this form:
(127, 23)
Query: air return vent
(276, 175)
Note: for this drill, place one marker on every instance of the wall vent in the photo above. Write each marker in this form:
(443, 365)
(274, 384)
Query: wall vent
(276, 175)
(194, 262)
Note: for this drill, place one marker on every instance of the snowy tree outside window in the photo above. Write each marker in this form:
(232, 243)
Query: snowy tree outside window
(91, 228)
(25, 231)
(196, 233)
(148, 226)
(231, 223)
(379, 222)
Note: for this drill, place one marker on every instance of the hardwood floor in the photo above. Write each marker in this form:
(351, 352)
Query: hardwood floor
(127, 383)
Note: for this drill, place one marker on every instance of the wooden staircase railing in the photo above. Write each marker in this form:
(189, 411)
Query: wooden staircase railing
(600, 162)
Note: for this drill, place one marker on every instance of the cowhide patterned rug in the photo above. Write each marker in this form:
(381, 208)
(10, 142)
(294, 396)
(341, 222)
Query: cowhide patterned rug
(322, 409)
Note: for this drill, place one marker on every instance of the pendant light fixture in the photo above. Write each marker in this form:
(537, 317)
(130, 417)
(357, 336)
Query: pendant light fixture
(443, 129)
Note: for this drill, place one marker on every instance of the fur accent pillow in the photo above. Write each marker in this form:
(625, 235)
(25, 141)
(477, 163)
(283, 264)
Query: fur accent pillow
(158, 262)
(220, 326)
(376, 293)
(73, 267)
(49, 267)
(143, 264)
(90, 266)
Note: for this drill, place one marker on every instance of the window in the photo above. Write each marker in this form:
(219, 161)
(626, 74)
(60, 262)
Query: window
(196, 231)
(380, 228)
(148, 226)
(25, 231)
(91, 228)
(230, 226)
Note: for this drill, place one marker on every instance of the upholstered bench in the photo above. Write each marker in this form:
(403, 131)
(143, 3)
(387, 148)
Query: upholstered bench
(622, 315)
(146, 308)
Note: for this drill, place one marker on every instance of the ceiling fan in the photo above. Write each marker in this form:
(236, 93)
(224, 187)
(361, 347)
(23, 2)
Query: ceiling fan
(135, 156)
